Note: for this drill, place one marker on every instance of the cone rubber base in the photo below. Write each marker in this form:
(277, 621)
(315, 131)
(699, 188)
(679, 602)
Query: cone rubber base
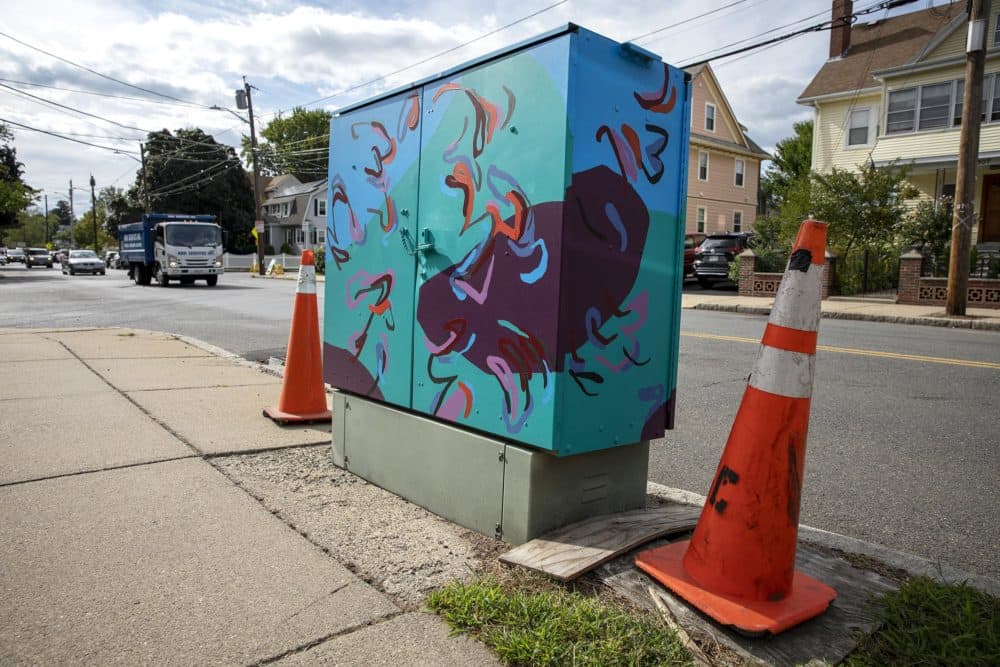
(808, 597)
(289, 418)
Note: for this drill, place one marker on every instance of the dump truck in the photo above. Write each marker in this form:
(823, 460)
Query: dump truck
(172, 246)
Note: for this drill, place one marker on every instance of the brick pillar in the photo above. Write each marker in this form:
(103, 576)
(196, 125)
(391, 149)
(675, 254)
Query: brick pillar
(829, 274)
(748, 264)
(910, 266)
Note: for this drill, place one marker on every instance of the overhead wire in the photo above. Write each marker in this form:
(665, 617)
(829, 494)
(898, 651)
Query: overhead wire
(100, 74)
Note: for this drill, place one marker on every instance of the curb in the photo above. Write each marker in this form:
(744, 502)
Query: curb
(836, 315)
(909, 563)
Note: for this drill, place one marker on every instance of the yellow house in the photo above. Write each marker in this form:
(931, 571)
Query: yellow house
(892, 91)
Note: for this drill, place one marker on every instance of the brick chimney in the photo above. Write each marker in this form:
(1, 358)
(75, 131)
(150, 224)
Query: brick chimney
(840, 34)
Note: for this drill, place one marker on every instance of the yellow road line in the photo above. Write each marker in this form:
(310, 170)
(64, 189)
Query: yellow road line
(864, 353)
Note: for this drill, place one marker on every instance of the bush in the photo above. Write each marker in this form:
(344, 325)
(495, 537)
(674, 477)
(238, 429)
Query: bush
(286, 249)
(268, 249)
(320, 261)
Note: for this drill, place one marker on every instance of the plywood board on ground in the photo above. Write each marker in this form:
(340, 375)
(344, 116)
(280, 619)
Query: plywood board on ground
(567, 553)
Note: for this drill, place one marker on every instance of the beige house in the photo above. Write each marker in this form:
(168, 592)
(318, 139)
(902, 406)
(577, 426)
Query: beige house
(723, 164)
(892, 91)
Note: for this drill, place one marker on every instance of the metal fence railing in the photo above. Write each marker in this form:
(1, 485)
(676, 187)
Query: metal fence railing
(233, 262)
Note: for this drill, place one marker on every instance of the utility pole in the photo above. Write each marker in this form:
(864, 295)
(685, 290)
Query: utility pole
(244, 100)
(968, 156)
(145, 178)
(93, 212)
(72, 218)
(46, 218)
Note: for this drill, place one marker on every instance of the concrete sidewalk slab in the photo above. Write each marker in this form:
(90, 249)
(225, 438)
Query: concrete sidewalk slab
(163, 564)
(219, 420)
(48, 378)
(416, 638)
(125, 344)
(30, 347)
(177, 373)
(60, 435)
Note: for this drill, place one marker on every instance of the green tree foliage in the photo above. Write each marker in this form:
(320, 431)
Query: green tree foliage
(15, 194)
(298, 144)
(929, 227)
(189, 172)
(83, 232)
(30, 229)
(864, 209)
(63, 213)
(118, 207)
(789, 166)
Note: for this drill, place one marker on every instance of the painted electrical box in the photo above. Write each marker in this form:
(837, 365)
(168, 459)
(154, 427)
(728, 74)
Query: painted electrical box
(505, 244)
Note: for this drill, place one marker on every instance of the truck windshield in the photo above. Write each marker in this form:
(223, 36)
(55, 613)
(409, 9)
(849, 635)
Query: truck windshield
(193, 235)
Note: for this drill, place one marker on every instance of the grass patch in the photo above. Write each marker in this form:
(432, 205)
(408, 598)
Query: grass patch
(927, 622)
(555, 627)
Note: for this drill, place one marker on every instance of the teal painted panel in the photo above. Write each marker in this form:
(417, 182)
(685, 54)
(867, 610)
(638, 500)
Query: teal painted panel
(372, 198)
(492, 178)
(622, 280)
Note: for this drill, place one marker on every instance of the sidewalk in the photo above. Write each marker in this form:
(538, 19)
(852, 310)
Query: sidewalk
(849, 308)
(125, 541)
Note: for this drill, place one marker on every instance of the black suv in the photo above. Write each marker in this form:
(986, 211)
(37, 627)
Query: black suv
(716, 252)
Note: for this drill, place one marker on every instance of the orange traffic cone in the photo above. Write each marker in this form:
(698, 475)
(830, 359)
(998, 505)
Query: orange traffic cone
(303, 398)
(739, 566)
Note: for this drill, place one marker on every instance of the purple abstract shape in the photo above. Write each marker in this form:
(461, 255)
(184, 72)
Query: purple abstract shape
(343, 370)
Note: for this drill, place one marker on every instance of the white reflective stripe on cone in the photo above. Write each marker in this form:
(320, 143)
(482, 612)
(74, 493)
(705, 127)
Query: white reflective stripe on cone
(307, 280)
(783, 373)
(797, 303)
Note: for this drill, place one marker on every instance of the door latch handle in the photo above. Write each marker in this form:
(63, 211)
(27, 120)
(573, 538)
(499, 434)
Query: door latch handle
(413, 248)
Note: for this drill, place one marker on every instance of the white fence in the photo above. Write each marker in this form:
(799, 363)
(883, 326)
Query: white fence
(233, 262)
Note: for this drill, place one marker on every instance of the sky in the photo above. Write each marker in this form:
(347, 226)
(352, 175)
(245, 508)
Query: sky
(331, 54)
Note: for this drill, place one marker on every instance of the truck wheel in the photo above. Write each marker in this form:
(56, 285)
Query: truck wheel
(211, 281)
(161, 278)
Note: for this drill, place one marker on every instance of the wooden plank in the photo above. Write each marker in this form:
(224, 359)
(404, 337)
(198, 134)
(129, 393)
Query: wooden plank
(580, 547)
(830, 636)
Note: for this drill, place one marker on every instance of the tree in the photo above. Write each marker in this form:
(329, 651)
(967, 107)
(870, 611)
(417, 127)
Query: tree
(298, 144)
(83, 231)
(15, 194)
(119, 207)
(63, 213)
(189, 172)
(789, 167)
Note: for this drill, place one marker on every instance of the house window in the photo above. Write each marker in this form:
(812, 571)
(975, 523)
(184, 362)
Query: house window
(291, 235)
(285, 209)
(702, 166)
(857, 127)
(710, 117)
(702, 215)
(319, 207)
(935, 103)
(740, 167)
(996, 33)
(988, 86)
(737, 221)
(321, 236)
(902, 111)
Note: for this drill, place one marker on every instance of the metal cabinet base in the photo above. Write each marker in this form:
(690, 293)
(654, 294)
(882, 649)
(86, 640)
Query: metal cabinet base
(483, 483)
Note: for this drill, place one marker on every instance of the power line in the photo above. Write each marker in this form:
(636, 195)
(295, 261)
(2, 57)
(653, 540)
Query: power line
(100, 74)
(144, 100)
(687, 20)
(59, 136)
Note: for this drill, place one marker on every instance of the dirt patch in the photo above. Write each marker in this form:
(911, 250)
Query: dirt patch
(396, 546)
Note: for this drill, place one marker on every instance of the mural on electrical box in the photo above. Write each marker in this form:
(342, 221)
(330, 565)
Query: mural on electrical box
(493, 259)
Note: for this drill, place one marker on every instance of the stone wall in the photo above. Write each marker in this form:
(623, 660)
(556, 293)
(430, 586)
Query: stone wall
(754, 283)
(915, 289)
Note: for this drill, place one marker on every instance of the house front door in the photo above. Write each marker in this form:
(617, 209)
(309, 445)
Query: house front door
(989, 221)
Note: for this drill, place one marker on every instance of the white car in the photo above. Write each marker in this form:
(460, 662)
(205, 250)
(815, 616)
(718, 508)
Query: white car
(83, 261)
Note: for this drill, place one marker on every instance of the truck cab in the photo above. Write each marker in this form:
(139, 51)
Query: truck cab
(169, 247)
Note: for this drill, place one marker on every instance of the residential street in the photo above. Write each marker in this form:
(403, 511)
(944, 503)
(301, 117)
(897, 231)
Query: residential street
(902, 448)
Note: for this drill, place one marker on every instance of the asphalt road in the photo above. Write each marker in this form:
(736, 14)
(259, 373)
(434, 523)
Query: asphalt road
(903, 443)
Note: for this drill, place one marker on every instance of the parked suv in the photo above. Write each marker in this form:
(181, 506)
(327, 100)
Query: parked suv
(37, 257)
(713, 256)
